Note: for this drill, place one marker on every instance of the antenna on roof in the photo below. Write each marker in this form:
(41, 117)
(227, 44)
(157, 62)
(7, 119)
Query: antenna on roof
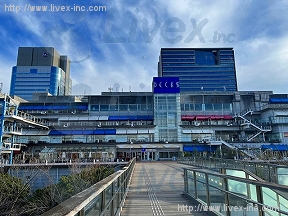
(110, 89)
(1, 86)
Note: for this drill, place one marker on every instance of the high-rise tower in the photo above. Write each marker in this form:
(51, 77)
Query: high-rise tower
(40, 69)
(207, 69)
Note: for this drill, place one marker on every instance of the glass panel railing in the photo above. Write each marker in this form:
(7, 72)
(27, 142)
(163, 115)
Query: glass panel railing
(237, 173)
(273, 174)
(191, 187)
(215, 181)
(269, 172)
(190, 174)
(250, 167)
(270, 199)
(244, 195)
(237, 187)
(253, 193)
(217, 197)
(250, 177)
(201, 186)
(217, 200)
(201, 192)
(262, 171)
(116, 200)
(283, 204)
(94, 207)
(282, 176)
(239, 207)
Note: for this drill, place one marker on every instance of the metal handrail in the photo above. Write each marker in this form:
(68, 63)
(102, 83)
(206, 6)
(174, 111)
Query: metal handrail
(192, 176)
(257, 167)
(76, 205)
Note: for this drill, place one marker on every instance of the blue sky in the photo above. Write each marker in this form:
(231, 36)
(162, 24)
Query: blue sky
(120, 47)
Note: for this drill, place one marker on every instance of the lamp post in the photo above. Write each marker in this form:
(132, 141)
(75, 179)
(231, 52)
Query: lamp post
(130, 150)
(221, 151)
(210, 153)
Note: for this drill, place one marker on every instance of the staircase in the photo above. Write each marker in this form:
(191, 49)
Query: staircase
(245, 152)
(247, 123)
(228, 144)
(249, 153)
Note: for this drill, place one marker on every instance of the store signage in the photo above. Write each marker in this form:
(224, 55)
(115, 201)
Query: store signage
(166, 85)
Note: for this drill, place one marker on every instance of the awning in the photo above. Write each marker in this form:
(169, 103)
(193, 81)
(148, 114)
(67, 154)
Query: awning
(281, 113)
(147, 146)
(217, 117)
(48, 150)
(125, 146)
(188, 118)
(228, 117)
(202, 118)
(278, 100)
(197, 131)
(277, 147)
(171, 146)
(199, 148)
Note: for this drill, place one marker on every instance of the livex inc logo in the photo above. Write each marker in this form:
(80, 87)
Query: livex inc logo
(172, 30)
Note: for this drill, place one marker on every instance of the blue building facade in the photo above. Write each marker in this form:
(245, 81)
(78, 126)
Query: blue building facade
(198, 69)
(27, 80)
(40, 69)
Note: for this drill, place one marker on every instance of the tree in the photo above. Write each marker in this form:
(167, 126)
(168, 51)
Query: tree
(13, 195)
(16, 197)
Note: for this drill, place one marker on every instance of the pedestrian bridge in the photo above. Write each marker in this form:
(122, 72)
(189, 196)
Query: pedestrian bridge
(171, 188)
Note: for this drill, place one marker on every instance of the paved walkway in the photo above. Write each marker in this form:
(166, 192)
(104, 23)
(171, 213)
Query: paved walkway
(156, 189)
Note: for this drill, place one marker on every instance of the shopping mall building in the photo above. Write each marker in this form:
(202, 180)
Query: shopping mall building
(149, 125)
(179, 116)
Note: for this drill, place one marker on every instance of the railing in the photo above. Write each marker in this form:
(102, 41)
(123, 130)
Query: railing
(246, 112)
(231, 195)
(273, 106)
(10, 146)
(27, 117)
(246, 124)
(12, 130)
(275, 173)
(104, 198)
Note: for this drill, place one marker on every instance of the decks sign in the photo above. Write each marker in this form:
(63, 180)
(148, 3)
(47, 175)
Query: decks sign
(166, 85)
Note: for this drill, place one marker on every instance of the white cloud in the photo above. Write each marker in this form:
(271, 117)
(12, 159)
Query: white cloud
(264, 66)
(260, 55)
(5, 74)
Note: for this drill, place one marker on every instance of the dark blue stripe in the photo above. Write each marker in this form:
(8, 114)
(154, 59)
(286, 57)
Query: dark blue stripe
(278, 147)
(131, 118)
(199, 148)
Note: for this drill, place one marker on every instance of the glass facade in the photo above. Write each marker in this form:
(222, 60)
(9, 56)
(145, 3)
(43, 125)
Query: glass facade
(29, 79)
(200, 69)
(167, 117)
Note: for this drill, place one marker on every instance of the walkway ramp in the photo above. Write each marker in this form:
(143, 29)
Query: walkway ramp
(157, 189)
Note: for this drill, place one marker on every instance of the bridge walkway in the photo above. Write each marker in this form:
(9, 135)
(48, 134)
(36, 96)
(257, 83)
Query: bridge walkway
(157, 189)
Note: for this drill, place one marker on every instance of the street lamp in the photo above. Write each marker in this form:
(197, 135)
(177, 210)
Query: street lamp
(221, 151)
(130, 150)
(210, 151)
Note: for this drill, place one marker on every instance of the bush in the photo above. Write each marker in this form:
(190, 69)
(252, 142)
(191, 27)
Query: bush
(16, 198)
(13, 195)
